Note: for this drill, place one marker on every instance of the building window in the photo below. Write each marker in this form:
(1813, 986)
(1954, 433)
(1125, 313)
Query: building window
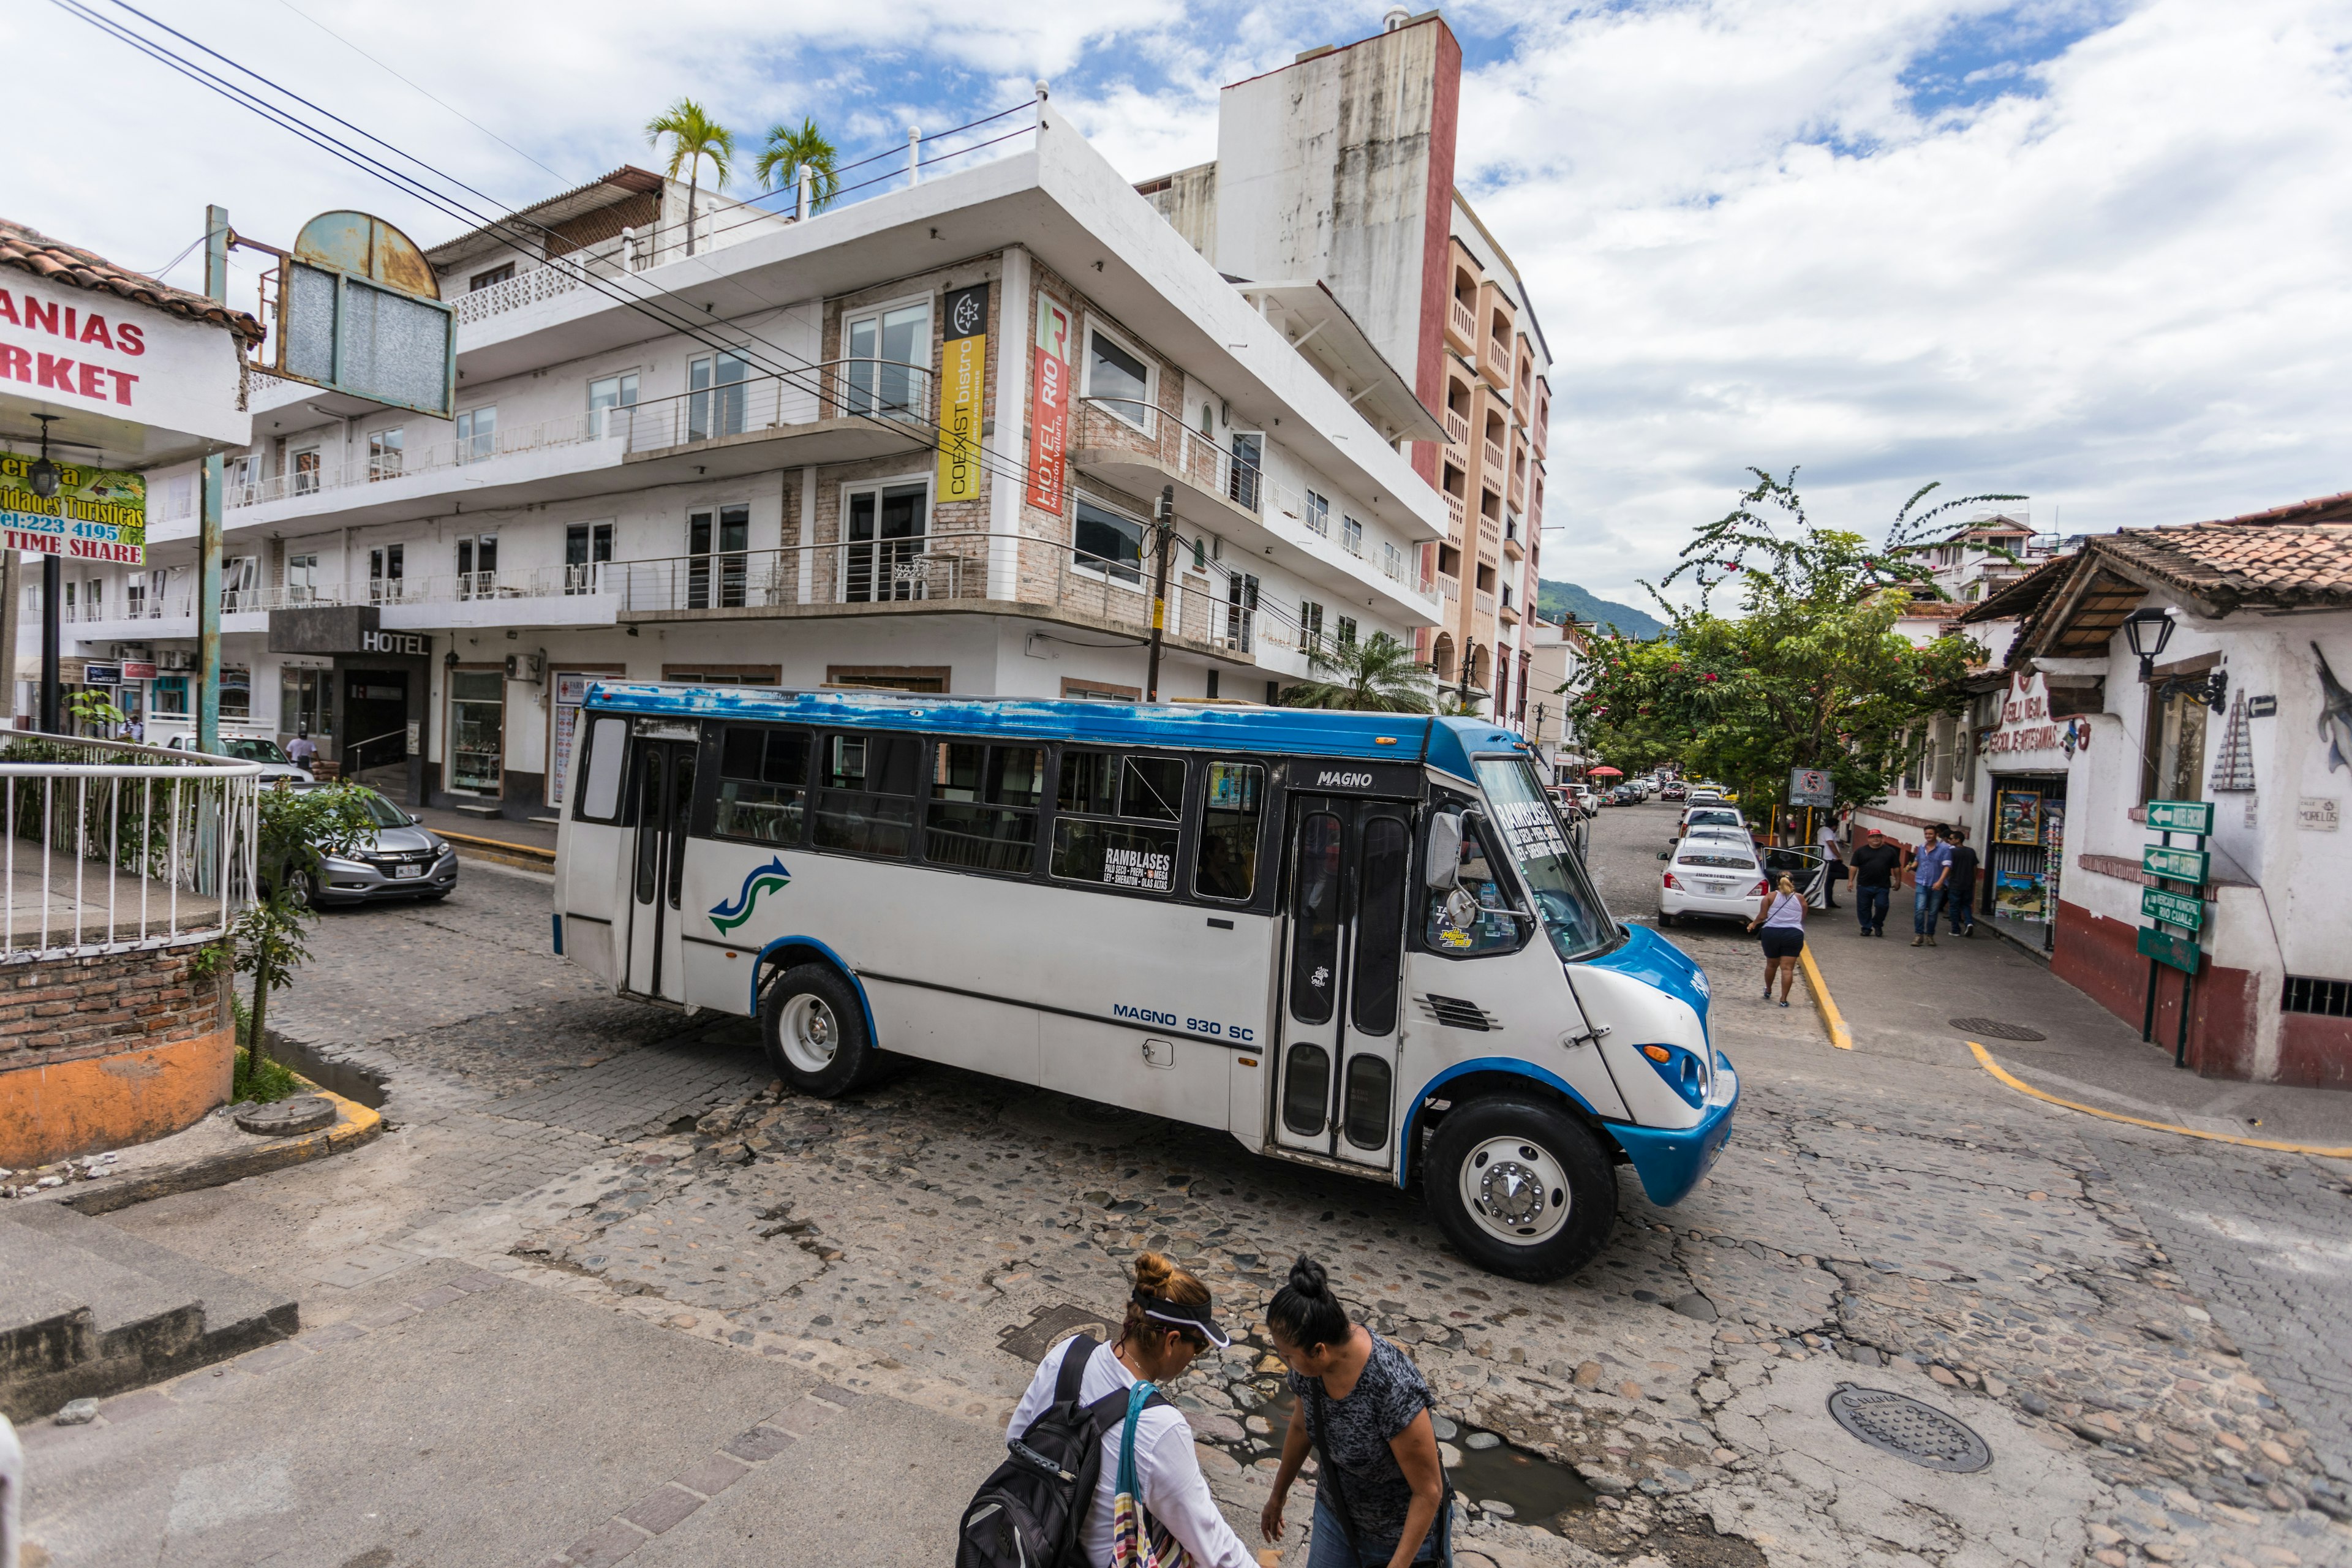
(983, 810)
(171, 695)
(135, 596)
(477, 713)
(306, 705)
(477, 434)
(587, 547)
(496, 275)
(1117, 820)
(235, 691)
(1311, 625)
(716, 563)
(384, 569)
(715, 406)
(886, 529)
(478, 565)
(1118, 382)
(1351, 536)
(2177, 770)
(1246, 479)
(240, 583)
(305, 472)
(890, 354)
(301, 579)
(1108, 543)
(1319, 513)
(610, 392)
(1391, 559)
(1346, 631)
(384, 453)
(2326, 998)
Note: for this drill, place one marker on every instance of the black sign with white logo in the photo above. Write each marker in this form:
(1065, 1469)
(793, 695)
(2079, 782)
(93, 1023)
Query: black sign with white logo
(415, 643)
(1310, 777)
(967, 312)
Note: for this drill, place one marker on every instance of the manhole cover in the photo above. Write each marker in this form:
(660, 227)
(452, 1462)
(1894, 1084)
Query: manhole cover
(302, 1113)
(1049, 1326)
(1908, 1429)
(1997, 1029)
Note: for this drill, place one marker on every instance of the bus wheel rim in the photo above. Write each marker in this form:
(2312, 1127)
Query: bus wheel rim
(1515, 1190)
(812, 1034)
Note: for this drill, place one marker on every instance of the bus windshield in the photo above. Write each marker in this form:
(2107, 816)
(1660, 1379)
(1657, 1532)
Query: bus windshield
(1572, 915)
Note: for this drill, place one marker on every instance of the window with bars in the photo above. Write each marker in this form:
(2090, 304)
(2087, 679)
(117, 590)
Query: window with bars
(2326, 998)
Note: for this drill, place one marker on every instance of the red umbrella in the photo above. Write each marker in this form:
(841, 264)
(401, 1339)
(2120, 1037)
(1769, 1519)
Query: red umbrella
(1604, 772)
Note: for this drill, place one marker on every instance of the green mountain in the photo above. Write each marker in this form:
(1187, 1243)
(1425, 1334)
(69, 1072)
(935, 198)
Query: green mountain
(1555, 600)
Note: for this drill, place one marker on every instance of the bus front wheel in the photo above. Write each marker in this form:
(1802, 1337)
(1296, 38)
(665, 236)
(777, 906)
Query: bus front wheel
(814, 1029)
(1520, 1188)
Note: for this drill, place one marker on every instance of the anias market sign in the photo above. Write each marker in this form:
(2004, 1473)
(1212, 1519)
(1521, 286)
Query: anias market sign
(100, 353)
(2026, 725)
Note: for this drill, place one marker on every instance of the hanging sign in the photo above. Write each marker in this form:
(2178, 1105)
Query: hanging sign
(2181, 816)
(98, 514)
(2028, 736)
(2172, 908)
(1049, 404)
(2170, 949)
(1810, 787)
(963, 365)
(2179, 865)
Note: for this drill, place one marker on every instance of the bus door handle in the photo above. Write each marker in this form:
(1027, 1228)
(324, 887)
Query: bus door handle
(1589, 1036)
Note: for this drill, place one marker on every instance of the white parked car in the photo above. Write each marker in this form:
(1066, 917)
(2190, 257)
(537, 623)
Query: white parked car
(1698, 816)
(1710, 876)
(263, 748)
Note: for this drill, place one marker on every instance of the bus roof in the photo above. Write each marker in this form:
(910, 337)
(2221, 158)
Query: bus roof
(1446, 743)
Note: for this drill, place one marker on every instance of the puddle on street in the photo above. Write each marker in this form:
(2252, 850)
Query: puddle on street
(354, 1083)
(1485, 1466)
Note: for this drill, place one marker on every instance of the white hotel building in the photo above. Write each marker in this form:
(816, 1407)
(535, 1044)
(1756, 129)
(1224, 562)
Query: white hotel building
(616, 497)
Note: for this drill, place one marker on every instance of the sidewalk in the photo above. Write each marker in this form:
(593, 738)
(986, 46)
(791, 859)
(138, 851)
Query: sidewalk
(532, 843)
(1900, 1001)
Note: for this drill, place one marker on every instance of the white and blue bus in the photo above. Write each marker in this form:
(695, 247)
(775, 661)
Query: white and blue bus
(1358, 941)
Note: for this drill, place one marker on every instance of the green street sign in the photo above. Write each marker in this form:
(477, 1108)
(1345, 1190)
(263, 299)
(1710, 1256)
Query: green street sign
(2181, 816)
(2172, 908)
(2172, 950)
(2180, 864)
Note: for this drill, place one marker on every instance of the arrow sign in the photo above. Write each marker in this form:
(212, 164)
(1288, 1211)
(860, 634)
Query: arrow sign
(2179, 865)
(2181, 816)
(2171, 951)
(2172, 908)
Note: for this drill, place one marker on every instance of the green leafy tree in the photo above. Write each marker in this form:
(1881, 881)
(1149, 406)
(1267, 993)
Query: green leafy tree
(1375, 675)
(93, 713)
(294, 830)
(789, 151)
(694, 136)
(1809, 673)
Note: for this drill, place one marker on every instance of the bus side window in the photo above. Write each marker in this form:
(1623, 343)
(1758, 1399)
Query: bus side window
(866, 801)
(1491, 928)
(607, 746)
(1139, 799)
(983, 810)
(1226, 863)
(762, 784)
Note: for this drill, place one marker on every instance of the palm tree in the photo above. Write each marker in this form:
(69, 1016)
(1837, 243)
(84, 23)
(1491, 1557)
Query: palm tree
(694, 136)
(1378, 675)
(789, 151)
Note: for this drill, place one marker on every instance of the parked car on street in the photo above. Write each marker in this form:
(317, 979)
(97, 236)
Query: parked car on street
(1672, 790)
(1718, 877)
(1701, 815)
(406, 859)
(263, 748)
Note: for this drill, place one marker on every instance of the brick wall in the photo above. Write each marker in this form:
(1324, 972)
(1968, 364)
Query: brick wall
(104, 1051)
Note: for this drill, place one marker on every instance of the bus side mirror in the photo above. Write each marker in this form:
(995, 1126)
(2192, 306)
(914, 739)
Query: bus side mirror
(1445, 868)
(1665, 854)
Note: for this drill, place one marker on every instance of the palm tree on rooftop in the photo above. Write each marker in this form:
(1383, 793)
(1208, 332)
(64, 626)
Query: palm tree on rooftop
(789, 151)
(1376, 675)
(694, 136)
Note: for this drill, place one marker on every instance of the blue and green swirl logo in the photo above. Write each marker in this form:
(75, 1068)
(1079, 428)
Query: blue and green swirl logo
(766, 878)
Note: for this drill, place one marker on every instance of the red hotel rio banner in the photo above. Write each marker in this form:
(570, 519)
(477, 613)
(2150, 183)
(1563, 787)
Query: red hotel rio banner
(1049, 408)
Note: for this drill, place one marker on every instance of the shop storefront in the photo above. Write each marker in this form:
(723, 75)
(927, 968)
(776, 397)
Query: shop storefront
(360, 693)
(2027, 758)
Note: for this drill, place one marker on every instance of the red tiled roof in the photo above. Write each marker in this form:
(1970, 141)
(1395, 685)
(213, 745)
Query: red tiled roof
(54, 261)
(2324, 509)
(2245, 563)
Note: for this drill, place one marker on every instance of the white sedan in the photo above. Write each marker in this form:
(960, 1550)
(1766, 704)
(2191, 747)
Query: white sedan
(1710, 876)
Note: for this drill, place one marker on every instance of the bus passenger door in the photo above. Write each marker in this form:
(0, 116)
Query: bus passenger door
(1343, 981)
(661, 796)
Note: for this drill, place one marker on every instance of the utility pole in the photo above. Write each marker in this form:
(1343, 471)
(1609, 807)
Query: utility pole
(208, 511)
(1165, 528)
(53, 577)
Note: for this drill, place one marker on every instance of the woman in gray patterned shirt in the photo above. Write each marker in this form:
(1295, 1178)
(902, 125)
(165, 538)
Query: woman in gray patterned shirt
(1364, 1407)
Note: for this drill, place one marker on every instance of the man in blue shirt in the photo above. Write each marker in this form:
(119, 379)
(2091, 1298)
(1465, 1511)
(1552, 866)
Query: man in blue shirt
(1931, 866)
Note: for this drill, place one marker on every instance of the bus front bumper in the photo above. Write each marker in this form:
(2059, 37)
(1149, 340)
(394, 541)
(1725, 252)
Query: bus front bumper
(1671, 1160)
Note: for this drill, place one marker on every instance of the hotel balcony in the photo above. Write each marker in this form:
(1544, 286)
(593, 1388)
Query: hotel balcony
(1461, 327)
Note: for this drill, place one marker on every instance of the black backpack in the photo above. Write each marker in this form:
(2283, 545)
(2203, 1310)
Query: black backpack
(1029, 1511)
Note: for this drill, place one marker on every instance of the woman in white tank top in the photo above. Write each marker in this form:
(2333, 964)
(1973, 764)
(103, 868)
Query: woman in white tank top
(1781, 915)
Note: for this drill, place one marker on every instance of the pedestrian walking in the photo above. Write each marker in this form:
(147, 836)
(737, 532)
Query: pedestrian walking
(1961, 885)
(1931, 863)
(1833, 867)
(1380, 1498)
(1169, 1321)
(303, 750)
(1874, 865)
(1781, 914)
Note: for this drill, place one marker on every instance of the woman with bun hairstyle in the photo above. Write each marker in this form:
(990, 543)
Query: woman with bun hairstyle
(1168, 1322)
(1364, 1410)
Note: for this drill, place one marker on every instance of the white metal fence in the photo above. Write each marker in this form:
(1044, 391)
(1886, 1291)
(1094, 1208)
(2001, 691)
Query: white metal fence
(858, 387)
(112, 847)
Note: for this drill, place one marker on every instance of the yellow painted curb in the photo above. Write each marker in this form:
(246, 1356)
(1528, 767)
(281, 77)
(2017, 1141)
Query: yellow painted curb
(528, 856)
(354, 1124)
(1831, 1019)
(1984, 1060)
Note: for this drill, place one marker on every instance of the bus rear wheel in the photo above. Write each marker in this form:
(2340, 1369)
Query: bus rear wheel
(815, 1028)
(1520, 1188)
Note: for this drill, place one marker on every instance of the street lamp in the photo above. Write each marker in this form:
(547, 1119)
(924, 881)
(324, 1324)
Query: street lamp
(2147, 630)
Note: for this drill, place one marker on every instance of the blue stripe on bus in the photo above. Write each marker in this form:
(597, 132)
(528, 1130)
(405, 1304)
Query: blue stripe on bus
(873, 1037)
(1647, 957)
(1446, 742)
(1512, 1065)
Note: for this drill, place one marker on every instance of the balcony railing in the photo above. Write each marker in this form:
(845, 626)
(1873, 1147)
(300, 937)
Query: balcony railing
(455, 452)
(1449, 588)
(1484, 604)
(1494, 450)
(1464, 321)
(1457, 428)
(855, 388)
(111, 847)
(1457, 511)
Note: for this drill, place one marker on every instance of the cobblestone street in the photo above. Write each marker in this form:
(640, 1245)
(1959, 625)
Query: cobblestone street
(2150, 1337)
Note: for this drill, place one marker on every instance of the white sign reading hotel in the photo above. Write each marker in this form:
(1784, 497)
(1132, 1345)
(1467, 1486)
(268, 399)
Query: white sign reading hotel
(2028, 736)
(96, 352)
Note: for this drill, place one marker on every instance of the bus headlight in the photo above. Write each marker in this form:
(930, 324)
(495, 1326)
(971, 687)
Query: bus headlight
(1687, 1073)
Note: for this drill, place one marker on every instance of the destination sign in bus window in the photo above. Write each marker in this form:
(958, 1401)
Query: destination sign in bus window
(1229, 830)
(1135, 851)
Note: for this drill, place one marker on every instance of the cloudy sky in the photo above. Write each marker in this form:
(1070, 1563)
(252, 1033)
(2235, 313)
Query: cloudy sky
(2091, 250)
